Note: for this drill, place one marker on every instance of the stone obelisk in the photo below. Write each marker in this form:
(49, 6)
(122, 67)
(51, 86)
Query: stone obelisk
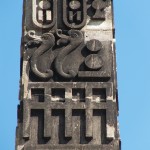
(68, 86)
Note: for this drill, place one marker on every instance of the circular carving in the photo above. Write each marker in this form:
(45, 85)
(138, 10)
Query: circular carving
(94, 61)
(94, 45)
(74, 4)
(44, 5)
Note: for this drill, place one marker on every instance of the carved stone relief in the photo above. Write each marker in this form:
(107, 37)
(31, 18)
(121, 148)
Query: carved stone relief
(93, 56)
(74, 13)
(44, 13)
(99, 6)
(68, 87)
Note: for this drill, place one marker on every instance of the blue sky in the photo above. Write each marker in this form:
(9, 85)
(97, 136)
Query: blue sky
(132, 24)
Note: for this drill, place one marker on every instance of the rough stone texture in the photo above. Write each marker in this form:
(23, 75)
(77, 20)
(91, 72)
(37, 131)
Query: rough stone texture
(68, 90)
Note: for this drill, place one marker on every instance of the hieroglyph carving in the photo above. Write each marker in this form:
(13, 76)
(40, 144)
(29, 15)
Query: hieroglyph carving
(44, 13)
(99, 6)
(71, 45)
(74, 13)
(75, 44)
(47, 43)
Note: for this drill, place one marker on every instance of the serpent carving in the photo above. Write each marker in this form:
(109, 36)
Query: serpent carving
(47, 42)
(75, 40)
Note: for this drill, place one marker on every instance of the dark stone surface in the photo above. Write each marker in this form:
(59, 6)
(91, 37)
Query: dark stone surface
(68, 92)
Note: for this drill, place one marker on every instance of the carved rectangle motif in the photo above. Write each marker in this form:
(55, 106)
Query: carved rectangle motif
(86, 116)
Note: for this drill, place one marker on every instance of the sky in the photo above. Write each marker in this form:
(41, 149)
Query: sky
(132, 22)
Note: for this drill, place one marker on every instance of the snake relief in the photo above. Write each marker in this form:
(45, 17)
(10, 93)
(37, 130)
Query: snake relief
(47, 43)
(75, 39)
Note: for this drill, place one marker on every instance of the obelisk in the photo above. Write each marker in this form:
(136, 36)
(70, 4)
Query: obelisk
(68, 86)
